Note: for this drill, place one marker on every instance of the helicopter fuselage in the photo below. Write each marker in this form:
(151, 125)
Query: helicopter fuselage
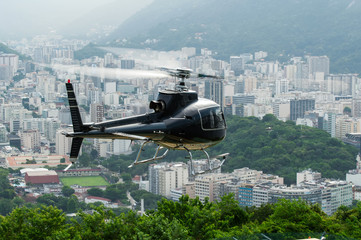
(181, 121)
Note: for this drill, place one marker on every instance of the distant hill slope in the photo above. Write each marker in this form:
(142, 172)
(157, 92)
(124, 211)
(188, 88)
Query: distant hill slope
(23, 18)
(6, 49)
(113, 13)
(88, 51)
(231, 27)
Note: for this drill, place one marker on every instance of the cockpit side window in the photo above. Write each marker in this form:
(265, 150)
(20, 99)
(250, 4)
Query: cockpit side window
(212, 118)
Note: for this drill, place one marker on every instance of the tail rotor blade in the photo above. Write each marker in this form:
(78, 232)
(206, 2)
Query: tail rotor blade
(67, 168)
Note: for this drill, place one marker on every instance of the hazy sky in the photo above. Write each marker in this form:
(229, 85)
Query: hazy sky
(23, 17)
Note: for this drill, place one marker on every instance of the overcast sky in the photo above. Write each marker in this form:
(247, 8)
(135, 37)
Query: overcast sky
(21, 17)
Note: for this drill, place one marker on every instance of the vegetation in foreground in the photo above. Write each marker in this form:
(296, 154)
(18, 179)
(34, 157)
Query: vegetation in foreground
(187, 219)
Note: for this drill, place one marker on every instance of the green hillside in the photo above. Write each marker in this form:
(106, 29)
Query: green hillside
(280, 27)
(284, 150)
(88, 51)
(5, 49)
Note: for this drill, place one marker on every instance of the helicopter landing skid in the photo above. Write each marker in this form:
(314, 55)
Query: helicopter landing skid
(210, 167)
(155, 157)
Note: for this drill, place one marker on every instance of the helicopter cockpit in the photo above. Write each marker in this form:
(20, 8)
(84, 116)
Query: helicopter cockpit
(212, 118)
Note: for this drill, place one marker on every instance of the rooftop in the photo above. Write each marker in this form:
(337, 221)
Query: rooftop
(41, 173)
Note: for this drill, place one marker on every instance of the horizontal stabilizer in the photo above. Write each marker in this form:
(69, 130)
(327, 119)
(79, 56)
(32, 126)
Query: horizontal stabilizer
(130, 136)
(223, 156)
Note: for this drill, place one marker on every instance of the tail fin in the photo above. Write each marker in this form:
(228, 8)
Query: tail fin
(74, 109)
(77, 123)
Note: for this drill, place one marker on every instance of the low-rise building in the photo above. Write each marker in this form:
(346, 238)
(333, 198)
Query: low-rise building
(52, 188)
(36, 161)
(41, 177)
(107, 202)
(79, 172)
(189, 189)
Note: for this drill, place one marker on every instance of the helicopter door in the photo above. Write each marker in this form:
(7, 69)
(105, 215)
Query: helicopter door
(212, 118)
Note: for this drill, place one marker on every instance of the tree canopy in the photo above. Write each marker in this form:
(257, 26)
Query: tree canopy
(186, 219)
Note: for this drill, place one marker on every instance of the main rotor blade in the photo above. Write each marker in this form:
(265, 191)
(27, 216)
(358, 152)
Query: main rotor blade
(111, 73)
(200, 75)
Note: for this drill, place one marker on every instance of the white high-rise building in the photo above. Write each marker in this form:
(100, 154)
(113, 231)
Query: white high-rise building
(246, 174)
(336, 194)
(63, 143)
(356, 107)
(50, 128)
(11, 61)
(96, 112)
(291, 72)
(213, 90)
(30, 139)
(237, 64)
(318, 64)
(307, 175)
(329, 123)
(341, 84)
(121, 146)
(260, 195)
(281, 109)
(110, 87)
(205, 185)
(111, 99)
(14, 111)
(164, 177)
(46, 86)
(3, 134)
(354, 176)
(104, 147)
(344, 125)
(108, 59)
(282, 86)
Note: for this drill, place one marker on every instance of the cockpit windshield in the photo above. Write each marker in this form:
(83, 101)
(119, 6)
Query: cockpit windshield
(212, 118)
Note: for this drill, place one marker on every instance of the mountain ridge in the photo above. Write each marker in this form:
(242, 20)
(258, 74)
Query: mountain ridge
(280, 27)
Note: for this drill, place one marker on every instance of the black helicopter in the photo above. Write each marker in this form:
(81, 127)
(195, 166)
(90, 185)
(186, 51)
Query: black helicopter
(180, 121)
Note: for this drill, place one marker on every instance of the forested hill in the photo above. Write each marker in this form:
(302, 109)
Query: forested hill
(232, 27)
(285, 149)
(5, 49)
